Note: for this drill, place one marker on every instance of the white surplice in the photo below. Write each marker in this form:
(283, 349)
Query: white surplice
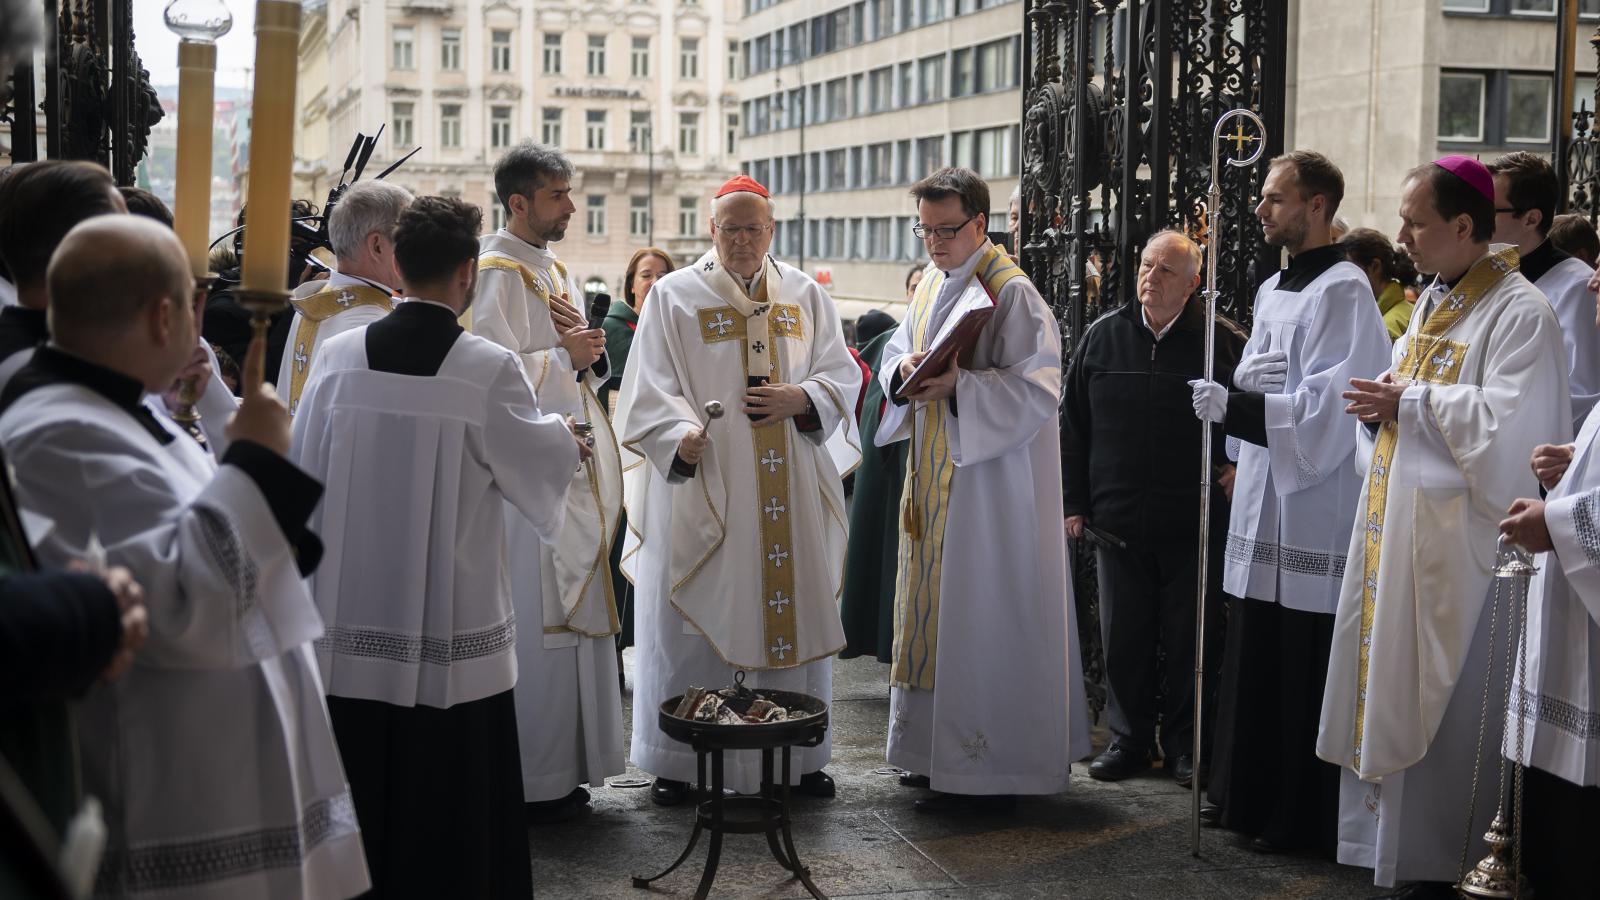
(1566, 286)
(215, 407)
(695, 549)
(1495, 388)
(1007, 712)
(1294, 500)
(413, 585)
(345, 320)
(569, 711)
(1559, 702)
(213, 756)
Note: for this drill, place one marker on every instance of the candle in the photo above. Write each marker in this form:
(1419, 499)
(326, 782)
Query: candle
(266, 233)
(199, 23)
(197, 69)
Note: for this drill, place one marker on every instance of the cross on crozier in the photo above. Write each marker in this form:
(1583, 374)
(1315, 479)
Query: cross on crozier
(1239, 139)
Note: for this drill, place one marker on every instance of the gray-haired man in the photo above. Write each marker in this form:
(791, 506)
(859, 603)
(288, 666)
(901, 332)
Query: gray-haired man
(360, 292)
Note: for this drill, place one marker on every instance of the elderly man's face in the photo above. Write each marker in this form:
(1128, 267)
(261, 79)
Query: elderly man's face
(742, 230)
(1167, 276)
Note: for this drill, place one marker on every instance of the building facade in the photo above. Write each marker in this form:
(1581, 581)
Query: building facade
(845, 104)
(1385, 86)
(639, 95)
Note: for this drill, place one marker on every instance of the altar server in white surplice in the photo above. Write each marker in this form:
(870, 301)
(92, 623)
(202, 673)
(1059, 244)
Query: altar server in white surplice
(986, 687)
(569, 711)
(1294, 501)
(736, 528)
(1557, 694)
(213, 756)
(423, 433)
(1478, 379)
(360, 291)
(1525, 195)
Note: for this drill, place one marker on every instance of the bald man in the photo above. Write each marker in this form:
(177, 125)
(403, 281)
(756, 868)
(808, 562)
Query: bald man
(217, 745)
(1128, 450)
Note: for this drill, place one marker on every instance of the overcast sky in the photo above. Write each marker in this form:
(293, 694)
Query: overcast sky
(158, 47)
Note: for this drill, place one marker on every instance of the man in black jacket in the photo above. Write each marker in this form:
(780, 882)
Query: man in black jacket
(1128, 459)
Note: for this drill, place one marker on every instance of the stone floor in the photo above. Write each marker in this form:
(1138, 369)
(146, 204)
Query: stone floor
(1098, 840)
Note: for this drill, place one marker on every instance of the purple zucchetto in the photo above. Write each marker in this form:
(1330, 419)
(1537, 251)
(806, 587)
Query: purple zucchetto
(1471, 171)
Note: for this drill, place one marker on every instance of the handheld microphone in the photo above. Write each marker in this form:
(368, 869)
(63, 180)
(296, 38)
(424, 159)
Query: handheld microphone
(598, 307)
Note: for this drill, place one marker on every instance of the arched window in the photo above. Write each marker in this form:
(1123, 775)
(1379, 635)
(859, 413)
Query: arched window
(595, 285)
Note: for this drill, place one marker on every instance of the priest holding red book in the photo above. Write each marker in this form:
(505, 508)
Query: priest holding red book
(986, 681)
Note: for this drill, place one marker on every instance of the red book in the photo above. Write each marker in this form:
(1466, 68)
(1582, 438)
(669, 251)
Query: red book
(956, 342)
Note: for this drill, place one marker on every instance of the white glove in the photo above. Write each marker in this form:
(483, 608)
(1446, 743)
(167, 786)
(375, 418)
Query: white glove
(1210, 400)
(1264, 372)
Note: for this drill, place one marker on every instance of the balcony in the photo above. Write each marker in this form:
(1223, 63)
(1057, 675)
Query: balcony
(428, 7)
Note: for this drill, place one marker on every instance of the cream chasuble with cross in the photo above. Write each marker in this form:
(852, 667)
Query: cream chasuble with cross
(1487, 382)
(741, 565)
(342, 303)
(987, 683)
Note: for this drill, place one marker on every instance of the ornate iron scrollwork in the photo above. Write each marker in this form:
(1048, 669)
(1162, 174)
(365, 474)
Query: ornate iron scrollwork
(1116, 146)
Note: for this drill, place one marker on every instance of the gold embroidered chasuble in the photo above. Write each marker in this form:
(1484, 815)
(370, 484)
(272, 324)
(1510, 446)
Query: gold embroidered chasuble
(926, 502)
(316, 309)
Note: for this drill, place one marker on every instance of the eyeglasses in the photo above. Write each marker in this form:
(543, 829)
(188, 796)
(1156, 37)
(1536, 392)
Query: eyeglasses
(942, 232)
(737, 231)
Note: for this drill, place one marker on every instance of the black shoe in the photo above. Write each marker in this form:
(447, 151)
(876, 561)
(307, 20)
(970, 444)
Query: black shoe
(913, 780)
(1422, 890)
(549, 812)
(1117, 763)
(816, 784)
(968, 803)
(1181, 768)
(666, 792)
(1210, 814)
(1267, 847)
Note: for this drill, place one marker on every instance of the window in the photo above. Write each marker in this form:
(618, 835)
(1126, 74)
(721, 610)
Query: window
(733, 60)
(401, 121)
(1461, 106)
(930, 74)
(500, 50)
(1528, 109)
(961, 78)
(403, 36)
(497, 213)
(638, 216)
(880, 16)
(878, 246)
(880, 165)
(838, 172)
(499, 127)
(450, 49)
(930, 156)
(1465, 5)
(838, 100)
(961, 153)
(689, 133)
(996, 66)
(688, 57)
(733, 134)
(688, 218)
(902, 162)
(992, 153)
(597, 54)
(594, 214)
(552, 54)
(639, 130)
(450, 125)
(550, 127)
(906, 93)
(858, 95)
(857, 170)
(594, 129)
(1544, 7)
(931, 10)
(639, 65)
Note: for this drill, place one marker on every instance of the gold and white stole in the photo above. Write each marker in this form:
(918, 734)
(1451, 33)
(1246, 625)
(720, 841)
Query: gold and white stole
(1428, 357)
(755, 321)
(316, 309)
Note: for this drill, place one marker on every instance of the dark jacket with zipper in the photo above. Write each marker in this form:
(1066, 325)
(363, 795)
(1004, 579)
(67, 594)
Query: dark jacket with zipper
(1130, 440)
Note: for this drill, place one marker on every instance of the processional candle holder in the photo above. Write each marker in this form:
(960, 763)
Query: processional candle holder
(1498, 876)
(198, 24)
(264, 271)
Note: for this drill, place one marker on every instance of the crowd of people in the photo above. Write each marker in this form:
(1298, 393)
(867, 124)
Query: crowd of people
(362, 625)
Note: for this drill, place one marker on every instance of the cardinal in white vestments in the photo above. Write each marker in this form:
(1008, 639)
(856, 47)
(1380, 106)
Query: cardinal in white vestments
(213, 757)
(1478, 379)
(1294, 502)
(1525, 198)
(986, 686)
(423, 433)
(737, 524)
(569, 711)
(359, 292)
